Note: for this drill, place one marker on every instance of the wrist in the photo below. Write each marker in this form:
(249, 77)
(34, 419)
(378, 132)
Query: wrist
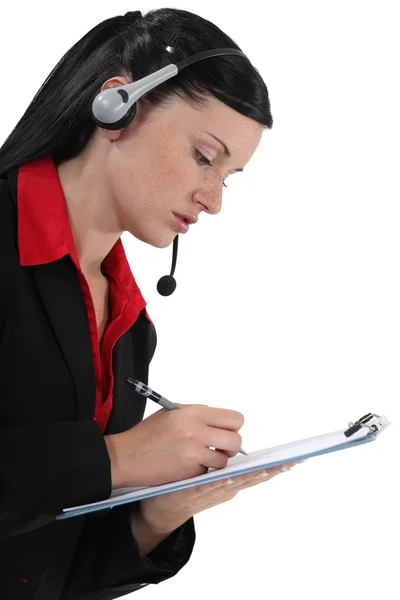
(116, 477)
(158, 525)
(146, 537)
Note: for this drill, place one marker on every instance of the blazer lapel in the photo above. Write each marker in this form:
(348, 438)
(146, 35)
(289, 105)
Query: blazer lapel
(59, 289)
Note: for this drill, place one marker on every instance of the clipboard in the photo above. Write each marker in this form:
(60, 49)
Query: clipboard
(364, 430)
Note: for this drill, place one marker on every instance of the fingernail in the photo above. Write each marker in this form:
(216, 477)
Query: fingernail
(262, 474)
(229, 481)
(283, 469)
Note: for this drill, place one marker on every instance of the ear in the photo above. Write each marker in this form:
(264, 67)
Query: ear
(116, 81)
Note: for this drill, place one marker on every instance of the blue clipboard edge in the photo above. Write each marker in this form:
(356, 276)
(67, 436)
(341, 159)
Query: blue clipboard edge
(80, 511)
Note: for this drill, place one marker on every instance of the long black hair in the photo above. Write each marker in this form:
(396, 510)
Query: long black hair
(58, 123)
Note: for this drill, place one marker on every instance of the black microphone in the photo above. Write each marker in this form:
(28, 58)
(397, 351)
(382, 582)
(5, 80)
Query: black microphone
(167, 284)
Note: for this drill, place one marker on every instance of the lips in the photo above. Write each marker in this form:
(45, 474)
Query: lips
(190, 219)
(181, 224)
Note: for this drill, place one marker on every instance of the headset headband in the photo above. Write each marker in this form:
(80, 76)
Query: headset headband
(114, 108)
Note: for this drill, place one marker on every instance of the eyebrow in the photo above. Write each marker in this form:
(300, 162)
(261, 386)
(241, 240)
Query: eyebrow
(226, 149)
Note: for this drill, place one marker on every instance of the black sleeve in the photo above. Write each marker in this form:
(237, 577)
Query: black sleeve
(107, 561)
(45, 467)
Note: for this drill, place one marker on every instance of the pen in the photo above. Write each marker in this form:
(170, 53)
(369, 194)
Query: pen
(144, 390)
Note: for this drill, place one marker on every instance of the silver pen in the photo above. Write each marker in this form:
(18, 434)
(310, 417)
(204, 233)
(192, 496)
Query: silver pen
(144, 390)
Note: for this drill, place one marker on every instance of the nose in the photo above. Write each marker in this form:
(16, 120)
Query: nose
(210, 199)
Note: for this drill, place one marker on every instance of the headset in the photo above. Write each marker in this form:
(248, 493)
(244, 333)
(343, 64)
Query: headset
(114, 108)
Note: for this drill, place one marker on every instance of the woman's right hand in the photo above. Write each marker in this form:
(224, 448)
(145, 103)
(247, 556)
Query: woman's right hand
(170, 445)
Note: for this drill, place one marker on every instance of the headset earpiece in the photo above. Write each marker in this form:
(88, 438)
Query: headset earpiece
(121, 123)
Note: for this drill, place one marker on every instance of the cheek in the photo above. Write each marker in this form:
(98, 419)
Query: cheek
(160, 177)
(170, 159)
(171, 167)
(168, 178)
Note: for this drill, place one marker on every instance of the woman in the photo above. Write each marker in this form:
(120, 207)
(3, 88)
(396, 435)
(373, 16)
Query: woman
(74, 323)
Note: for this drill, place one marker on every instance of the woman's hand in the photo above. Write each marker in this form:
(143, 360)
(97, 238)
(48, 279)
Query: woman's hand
(166, 512)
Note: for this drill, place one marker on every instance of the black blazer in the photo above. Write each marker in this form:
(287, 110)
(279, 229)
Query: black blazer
(52, 452)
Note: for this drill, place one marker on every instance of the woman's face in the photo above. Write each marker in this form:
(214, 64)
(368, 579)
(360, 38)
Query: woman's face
(154, 166)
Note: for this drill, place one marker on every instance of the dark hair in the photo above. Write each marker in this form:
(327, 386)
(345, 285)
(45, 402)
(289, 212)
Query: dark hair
(58, 120)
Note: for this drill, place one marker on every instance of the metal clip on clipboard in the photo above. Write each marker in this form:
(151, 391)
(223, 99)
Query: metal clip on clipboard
(374, 427)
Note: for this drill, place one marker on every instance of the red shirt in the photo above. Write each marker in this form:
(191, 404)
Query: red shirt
(45, 235)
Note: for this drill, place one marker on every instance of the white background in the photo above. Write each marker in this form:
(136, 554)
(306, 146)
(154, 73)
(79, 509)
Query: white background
(288, 301)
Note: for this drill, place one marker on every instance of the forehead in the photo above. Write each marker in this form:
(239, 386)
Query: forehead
(235, 129)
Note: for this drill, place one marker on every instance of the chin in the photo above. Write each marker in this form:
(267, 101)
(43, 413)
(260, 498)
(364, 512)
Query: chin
(161, 242)
(165, 243)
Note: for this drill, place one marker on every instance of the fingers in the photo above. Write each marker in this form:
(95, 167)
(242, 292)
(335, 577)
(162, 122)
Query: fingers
(185, 405)
(223, 418)
(257, 476)
(266, 475)
(242, 481)
(225, 441)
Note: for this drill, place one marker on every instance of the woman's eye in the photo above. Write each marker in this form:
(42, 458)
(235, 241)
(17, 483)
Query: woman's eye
(198, 153)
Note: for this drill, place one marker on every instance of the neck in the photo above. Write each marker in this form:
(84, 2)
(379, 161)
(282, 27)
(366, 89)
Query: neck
(93, 221)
